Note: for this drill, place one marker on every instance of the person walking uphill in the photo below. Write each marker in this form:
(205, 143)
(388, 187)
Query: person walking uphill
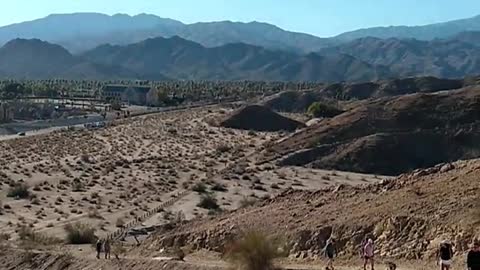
(330, 252)
(368, 251)
(98, 247)
(473, 257)
(107, 248)
(445, 255)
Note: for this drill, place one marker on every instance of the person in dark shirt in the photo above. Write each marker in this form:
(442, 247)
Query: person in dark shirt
(445, 255)
(473, 257)
(98, 247)
(330, 252)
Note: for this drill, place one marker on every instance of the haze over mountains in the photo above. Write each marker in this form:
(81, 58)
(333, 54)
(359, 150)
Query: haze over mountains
(150, 47)
(95, 29)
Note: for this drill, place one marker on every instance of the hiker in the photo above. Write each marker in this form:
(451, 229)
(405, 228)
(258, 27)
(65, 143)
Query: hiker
(99, 248)
(107, 249)
(473, 257)
(368, 252)
(445, 255)
(330, 252)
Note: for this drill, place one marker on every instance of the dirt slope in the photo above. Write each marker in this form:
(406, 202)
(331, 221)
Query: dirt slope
(407, 216)
(389, 135)
(259, 118)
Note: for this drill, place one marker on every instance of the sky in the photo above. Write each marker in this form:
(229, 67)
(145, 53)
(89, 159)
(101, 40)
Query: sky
(323, 18)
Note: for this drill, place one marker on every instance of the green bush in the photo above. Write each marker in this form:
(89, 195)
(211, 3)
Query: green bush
(254, 251)
(19, 190)
(208, 202)
(319, 109)
(199, 187)
(79, 234)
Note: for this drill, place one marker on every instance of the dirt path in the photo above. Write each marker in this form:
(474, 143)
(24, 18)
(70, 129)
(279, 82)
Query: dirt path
(83, 261)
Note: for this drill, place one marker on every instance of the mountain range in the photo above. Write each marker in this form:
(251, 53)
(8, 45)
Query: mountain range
(79, 32)
(97, 46)
(177, 58)
(426, 32)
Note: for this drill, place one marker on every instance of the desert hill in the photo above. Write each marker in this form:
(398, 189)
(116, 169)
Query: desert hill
(259, 118)
(389, 135)
(407, 216)
(299, 101)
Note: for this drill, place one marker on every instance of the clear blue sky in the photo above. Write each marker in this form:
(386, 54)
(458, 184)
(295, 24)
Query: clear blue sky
(319, 17)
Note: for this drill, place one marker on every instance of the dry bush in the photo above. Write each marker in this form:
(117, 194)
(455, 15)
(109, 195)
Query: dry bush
(19, 190)
(94, 213)
(79, 233)
(254, 251)
(208, 202)
(120, 223)
(219, 187)
(247, 202)
(28, 235)
(199, 187)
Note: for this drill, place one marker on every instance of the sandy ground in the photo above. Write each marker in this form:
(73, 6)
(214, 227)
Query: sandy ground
(111, 176)
(64, 260)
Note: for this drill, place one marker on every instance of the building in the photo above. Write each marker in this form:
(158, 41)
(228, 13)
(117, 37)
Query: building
(135, 95)
(6, 113)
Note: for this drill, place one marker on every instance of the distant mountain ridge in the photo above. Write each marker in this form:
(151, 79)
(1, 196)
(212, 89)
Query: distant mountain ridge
(446, 58)
(182, 59)
(79, 32)
(443, 30)
(36, 59)
(177, 58)
(83, 31)
(160, 58)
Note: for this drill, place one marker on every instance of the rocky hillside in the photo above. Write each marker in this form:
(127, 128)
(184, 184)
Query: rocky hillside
(407, 216)
(389, 135)
(36, 59)
(183, 59)
(299, 101)
(452, 58)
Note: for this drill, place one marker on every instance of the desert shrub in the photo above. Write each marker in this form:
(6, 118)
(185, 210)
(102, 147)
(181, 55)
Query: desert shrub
(120, 223)
(27, 234)
(319, 109)
(94, 213)
(219, 187)
(77, 186)
(208, 202)
(223, 148)
(247, 202)
(19, 190)
(254, 251)
(79, 233)
(199, 187)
